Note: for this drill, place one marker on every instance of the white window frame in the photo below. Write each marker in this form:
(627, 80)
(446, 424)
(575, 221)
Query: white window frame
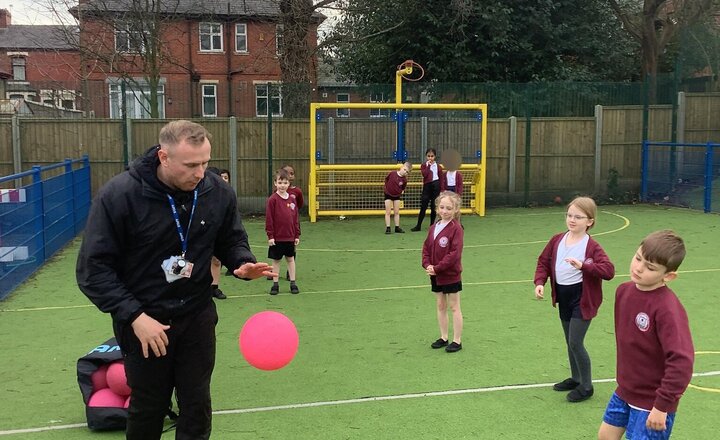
(378, 112)
(136, 101)
(342, 112)
(135, 43)
(19, 68)
(211, 31)
(261, 95)
(244, 35)
(204, 87)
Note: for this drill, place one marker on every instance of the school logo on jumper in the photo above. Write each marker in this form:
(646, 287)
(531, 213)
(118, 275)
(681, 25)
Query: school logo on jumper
(291, 205)
(642, 320)
(443, 242)
(588, 261)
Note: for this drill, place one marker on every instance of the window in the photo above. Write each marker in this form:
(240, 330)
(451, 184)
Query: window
(18, 67)
(137, 101)
(378, 112)
(279, 39)
(343, 112)
(128, 39)
(273, 95)
(209, 100)
(211, 37)
(61, 98)
(241, 37)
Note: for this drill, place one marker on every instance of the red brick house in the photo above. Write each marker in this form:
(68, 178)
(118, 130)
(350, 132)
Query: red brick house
(42, 62)
(213, 58)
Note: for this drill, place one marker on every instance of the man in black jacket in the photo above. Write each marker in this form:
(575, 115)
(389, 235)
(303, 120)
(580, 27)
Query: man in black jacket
(145, 259)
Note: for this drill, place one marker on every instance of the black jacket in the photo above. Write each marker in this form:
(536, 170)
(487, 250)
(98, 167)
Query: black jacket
(130, 231)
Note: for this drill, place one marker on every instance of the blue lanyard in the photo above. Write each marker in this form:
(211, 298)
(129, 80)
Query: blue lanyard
(183, 236)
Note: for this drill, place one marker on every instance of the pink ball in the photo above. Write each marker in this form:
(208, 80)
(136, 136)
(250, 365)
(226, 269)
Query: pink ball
(116, 379)
(107, 399)
(99, 381)
(269, 340)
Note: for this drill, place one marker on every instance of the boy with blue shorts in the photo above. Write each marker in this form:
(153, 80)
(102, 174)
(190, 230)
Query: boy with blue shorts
(655, 351)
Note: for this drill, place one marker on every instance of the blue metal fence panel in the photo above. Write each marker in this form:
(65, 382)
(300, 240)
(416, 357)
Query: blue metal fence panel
(40, 218)
(681, 174)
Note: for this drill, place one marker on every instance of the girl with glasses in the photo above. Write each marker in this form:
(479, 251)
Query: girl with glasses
(576, 265)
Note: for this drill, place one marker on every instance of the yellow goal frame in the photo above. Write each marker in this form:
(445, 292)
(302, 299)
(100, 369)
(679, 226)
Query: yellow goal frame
(478, 171)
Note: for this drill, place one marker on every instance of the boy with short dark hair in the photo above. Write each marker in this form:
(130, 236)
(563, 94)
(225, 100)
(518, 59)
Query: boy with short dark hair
(655, 351)
(283, 229)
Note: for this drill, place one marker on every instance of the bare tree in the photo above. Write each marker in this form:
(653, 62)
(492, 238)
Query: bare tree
(656, 23)
(125, 39)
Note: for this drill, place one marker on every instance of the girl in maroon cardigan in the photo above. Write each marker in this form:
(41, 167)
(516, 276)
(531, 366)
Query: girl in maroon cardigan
(441, 259)
(576, 266)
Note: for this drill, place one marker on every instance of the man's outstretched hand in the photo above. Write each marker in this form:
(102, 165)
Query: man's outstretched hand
(252, 271)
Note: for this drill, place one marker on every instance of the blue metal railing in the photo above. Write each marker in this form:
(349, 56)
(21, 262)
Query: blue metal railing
(38, 219)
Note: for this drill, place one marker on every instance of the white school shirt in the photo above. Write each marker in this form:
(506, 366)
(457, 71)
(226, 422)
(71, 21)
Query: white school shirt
(439, 226)
(434, 169)
(565, 274)
(451, 178)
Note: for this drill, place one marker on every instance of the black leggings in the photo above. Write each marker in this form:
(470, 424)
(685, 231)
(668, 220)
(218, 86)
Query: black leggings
(430, 192)
(580, 367)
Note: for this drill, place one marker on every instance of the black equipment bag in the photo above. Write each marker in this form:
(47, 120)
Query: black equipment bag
(100, 418)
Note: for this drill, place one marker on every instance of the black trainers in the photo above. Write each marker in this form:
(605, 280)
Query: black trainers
(294, 289)
(453, 347)
(217, 293)
(566, 385)
(415, 229)
(579, 394)
(440, 343)
(399, 230)
(274, 290)
(387, 230)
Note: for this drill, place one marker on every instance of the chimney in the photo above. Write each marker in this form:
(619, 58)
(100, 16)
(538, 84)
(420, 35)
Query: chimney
(5, 18)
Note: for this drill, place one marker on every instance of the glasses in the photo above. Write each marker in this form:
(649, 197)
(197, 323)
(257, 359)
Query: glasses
(575, 217)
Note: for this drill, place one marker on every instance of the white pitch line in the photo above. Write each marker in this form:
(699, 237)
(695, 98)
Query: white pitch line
(350, 401)
(367, 289)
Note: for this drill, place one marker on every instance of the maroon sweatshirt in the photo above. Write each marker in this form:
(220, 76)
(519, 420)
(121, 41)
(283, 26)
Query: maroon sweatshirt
(444, 253)
(296, 192)
(281, 218)
(394, 184)
(596, 267)
(458, 182)
(427, 173)
(655, 351)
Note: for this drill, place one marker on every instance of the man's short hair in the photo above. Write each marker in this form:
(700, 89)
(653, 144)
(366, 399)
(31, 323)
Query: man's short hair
(177, 131)
(664, 247)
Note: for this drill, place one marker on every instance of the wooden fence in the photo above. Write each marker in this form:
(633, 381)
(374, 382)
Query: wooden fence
(566, 155)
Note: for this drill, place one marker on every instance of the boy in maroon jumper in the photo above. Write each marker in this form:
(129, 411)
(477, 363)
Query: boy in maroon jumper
(442, 261)
(395, 184)
(283, 230)
(655, 351)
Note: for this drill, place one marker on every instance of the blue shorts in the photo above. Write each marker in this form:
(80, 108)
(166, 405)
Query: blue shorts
(622, 415)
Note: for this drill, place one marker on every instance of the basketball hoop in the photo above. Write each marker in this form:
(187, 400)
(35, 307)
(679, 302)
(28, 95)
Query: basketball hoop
(411, 66)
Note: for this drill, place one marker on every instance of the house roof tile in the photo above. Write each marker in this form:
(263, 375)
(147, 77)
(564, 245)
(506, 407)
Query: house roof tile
(234, 8)
(29, 37)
